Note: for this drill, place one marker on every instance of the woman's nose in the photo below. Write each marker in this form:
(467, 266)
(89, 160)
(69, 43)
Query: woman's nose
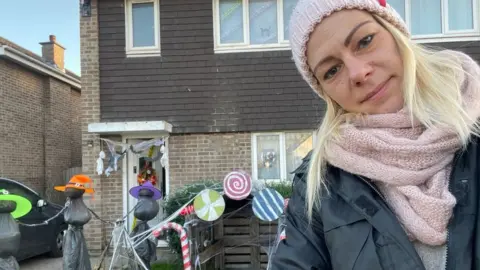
(359, 71)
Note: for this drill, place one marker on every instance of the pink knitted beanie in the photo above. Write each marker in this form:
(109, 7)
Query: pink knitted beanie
(308, 13)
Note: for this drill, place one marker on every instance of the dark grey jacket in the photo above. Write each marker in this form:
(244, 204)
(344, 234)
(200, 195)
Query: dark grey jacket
(355, 229)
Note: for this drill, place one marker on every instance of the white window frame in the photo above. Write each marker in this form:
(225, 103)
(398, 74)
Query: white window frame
(447, 35)
(132, 51)
(282, 155)
(245, 46)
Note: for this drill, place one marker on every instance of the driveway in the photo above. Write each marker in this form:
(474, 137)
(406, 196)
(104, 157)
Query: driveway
(43, 262)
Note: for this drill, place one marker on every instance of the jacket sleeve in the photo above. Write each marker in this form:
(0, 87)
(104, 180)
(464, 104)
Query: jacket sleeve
(304, 247)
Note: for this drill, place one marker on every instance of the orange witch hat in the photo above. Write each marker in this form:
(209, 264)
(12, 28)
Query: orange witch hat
(78, 182)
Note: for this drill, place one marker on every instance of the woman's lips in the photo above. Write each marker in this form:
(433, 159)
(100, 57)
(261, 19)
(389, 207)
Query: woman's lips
(377, 93)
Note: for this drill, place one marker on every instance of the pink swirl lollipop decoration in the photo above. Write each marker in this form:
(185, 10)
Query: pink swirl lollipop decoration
(237, 185)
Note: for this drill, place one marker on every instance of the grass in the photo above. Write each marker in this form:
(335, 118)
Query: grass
(164, 266)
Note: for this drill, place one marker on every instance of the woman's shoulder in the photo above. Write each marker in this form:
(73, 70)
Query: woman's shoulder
(303, 167)
(301, 174)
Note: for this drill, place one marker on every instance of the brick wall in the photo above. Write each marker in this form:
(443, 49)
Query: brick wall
(112, 192)
(37, 129)
(76, 141)
(59, 135)
(90, 112)
(22, 154)
(197, 157)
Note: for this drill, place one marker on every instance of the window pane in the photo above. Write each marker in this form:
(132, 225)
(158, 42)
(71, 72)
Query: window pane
(143, 25)
(263, 21)
(460, 14)
(231, 21)
(426, 17)
(288, 6)
(297, 146)
(268, 156)
(399, 6)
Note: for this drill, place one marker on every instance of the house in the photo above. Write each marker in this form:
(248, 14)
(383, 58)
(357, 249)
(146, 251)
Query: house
(216, 78)
(39, 116)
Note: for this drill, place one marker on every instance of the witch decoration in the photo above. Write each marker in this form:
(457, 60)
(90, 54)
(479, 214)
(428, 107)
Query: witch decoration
(11, 207)
(146, 209)
(75, 252)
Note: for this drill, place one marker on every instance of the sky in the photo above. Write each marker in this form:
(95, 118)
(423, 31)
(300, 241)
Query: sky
(29, 22)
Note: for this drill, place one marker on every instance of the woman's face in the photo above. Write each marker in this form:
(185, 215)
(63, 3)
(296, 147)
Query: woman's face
(357, 63)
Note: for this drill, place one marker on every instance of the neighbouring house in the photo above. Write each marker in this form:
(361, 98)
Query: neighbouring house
(216, 77)
(39, 116)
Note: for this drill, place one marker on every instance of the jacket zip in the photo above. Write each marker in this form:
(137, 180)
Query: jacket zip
(448, 227)
(455, 159)
(446, 250)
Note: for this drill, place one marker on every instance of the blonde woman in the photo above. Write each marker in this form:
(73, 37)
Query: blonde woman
(393, 180)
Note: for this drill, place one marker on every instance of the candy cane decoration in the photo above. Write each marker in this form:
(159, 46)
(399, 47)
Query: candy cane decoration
(183, 240)
(188, 210)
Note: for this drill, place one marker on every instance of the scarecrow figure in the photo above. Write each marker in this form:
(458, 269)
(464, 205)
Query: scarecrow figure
(146, 209)
(11, 207)
(75, 252)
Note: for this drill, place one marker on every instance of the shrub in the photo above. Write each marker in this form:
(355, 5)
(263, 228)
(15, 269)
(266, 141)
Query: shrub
(178, 199)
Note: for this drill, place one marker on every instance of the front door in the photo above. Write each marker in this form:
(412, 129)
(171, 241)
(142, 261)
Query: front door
(135, 163)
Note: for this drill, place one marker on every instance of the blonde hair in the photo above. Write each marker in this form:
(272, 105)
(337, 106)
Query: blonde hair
(428, 73)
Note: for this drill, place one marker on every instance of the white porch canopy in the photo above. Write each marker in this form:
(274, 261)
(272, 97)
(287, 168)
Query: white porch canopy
(130, 128)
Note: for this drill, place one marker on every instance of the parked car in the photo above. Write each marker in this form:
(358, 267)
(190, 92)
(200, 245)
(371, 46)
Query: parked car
(41, 239)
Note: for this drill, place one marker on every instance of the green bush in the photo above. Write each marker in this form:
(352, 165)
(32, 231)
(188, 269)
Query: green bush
(283, 187)
(178, 199)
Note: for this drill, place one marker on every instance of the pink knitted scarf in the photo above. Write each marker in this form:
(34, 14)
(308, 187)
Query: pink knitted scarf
(410, 165)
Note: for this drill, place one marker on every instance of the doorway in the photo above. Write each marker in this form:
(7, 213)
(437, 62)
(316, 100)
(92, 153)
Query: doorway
(135, 163)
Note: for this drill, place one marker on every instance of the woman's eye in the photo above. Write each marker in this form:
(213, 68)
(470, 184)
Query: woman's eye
(364, 42)
(331, 72)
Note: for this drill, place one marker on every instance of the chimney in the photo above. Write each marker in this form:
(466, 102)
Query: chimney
(53, 53)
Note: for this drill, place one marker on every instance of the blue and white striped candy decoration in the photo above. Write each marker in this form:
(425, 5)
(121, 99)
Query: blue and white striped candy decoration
(268, 204)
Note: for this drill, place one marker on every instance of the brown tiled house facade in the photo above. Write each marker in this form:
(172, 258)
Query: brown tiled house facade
(227, 108)
(39, 120)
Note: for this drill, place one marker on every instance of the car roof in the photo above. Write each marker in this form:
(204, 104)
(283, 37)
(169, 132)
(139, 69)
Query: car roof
(20, 184)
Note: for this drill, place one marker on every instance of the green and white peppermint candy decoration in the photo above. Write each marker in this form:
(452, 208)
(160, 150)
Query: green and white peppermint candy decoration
(209, 205)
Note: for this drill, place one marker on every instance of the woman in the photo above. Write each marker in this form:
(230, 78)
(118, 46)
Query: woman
(392, 181)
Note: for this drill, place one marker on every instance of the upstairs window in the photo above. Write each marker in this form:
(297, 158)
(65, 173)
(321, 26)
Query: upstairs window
(251, 25)
(142, 31)
(440, 20)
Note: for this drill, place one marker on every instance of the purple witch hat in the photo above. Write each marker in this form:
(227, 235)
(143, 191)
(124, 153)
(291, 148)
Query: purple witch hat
(157, 194)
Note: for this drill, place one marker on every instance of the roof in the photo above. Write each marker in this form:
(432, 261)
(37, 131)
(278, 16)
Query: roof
(36, 60)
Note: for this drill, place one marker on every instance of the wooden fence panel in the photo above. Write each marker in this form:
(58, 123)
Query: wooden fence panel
(68, 173)
(240, 240)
